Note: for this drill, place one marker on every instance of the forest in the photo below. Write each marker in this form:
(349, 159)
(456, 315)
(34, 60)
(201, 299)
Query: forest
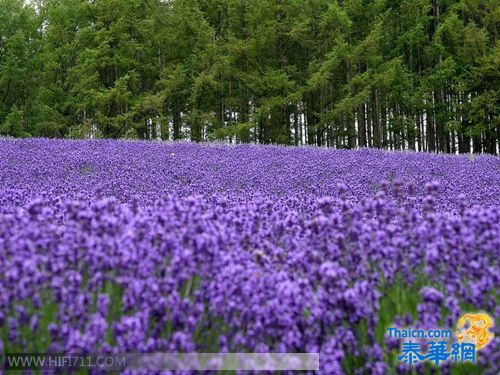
(400, 75)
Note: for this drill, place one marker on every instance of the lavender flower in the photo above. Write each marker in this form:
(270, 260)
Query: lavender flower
(240, 248)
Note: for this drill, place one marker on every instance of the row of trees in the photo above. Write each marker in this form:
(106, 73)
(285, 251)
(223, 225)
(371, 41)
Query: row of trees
(397, 74)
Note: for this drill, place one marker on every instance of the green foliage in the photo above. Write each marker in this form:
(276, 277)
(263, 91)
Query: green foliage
(396, 74)
(14, 124)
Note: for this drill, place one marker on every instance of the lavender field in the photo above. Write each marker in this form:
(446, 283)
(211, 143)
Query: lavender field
(115, 246)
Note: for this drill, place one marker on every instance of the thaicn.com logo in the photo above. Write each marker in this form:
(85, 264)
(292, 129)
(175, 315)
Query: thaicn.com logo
(464, 345)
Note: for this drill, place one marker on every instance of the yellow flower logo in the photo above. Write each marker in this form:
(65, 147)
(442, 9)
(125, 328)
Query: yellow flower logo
(478, 329)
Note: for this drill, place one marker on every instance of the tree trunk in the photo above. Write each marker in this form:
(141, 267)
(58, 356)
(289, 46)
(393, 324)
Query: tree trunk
(383, 115)
(351, 130)
(369, 124)
(295, 126)
(418, 134)
(177, 125)
(311, 121)
(430, 129)
(376, 120)
(362, 126)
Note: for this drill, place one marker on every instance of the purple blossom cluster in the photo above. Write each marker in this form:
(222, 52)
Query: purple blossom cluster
(119, 247)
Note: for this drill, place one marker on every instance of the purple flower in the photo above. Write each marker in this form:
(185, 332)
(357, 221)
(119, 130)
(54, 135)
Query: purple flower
(102, 304)
(432, 295)
(241, 248)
